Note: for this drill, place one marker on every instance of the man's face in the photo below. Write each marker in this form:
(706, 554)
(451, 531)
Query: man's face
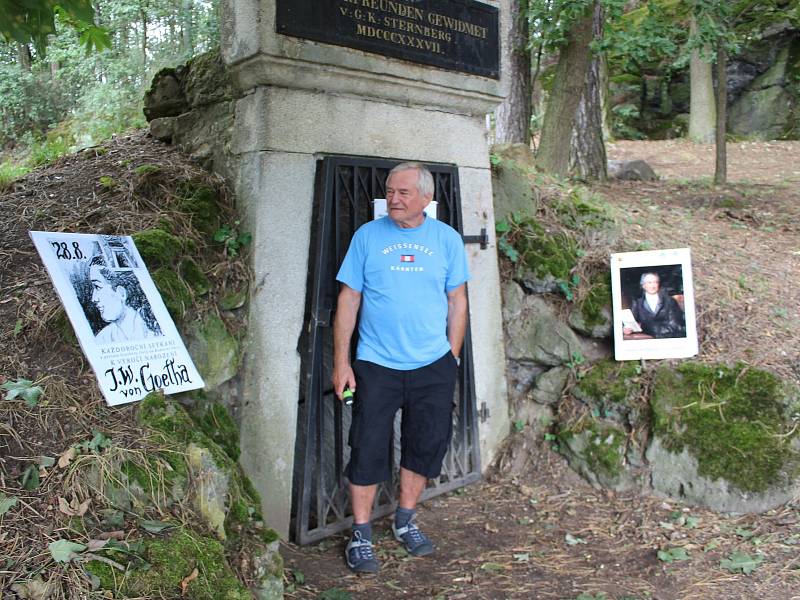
(651, 284)
(404, 202)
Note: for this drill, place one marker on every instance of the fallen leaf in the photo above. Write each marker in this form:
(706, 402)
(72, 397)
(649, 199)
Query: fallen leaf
(739, 562)
(155, 526)
(73, 508)
(35, 589)
(7, 503)
(493, 566)
(66, 457)
(187, 580)
(95, 545)
(490, 529)
(64, 551)
(572, 540)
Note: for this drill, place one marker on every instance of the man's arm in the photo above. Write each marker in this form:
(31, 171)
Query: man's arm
(457, 318)
(343, 326)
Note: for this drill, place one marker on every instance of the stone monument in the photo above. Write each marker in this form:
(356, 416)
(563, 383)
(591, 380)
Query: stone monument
(395, 79)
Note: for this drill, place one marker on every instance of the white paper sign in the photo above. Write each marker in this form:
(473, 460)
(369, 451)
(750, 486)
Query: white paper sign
(118, 315)
(653, 300)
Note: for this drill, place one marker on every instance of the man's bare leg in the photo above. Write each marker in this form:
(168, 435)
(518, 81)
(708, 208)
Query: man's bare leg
(362, 497)
(411, 487)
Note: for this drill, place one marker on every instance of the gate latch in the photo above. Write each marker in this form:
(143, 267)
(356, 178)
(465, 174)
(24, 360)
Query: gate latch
(483, 412)
(482, 239)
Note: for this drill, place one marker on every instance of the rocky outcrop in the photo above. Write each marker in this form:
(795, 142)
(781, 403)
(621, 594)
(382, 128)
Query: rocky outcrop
(192, 106)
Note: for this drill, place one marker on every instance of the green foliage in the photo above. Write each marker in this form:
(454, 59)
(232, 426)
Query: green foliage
(24, 389)
(6, 503)
(9, 173)
(232, 239)
(525, 241)
(673, 554)
(27, 21)
(741, 562)
(734, 420)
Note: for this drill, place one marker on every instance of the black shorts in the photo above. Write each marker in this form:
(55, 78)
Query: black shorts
(426, 397)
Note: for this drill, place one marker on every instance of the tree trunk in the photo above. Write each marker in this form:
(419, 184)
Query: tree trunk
(701, 101)
(143, 15)
(187, 48)
(588, 150)
(559, 118)
(24, 56)
(513, 116)
(721, 169)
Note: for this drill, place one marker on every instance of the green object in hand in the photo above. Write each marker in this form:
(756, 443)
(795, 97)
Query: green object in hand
(347, 396)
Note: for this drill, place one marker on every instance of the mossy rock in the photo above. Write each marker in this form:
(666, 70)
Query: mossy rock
(612, 390)
(171, 559)
(158, 247)
(596, 450)
(214, 350)
(217, 423)
(735, 424)
(592, 316)
(175, 293)
(511, 185)
(235, 299)
(193, 275)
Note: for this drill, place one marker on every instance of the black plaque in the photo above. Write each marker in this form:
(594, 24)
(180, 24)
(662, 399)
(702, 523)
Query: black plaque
(459, 35)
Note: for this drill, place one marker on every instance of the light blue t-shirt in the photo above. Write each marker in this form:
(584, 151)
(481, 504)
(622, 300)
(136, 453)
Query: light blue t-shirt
(404, 276)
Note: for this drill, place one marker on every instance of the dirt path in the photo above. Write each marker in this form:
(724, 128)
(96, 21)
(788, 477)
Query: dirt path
(546, 534)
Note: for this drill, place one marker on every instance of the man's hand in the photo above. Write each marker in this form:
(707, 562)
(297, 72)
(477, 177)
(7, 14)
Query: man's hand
(343, 377)
(343, 326)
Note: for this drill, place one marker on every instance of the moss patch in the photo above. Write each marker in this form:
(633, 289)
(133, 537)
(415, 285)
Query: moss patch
(218, 425)
(171, 559)
(610, 382)
(543, 253)
(603, 449)
(158, 247)
(730, 419)
(201, 203)
(176, 294)
(194, 277)
(598, 297)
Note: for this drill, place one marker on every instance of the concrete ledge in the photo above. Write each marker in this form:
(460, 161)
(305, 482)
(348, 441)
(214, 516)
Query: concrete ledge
(269, 120)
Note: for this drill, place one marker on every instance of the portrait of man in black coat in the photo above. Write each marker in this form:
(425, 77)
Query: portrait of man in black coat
(658, 314)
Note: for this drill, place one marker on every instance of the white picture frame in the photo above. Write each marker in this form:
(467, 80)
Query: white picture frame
(119, 318)
(666, 326)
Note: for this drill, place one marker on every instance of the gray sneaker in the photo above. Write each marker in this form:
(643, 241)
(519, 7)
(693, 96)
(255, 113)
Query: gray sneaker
(360, 556)
(415, 542)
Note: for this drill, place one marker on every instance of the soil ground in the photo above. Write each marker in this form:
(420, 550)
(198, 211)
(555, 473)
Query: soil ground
(545, 533)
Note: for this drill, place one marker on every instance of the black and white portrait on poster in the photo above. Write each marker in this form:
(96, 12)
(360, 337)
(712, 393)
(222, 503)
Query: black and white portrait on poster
(653, 300)
(118, 315)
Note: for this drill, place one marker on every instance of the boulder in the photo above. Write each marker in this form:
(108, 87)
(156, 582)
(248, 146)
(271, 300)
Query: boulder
(762, 114)
(210, 486)
(549, 385)
(214, 350)
(631, 170)
(534, 331)
(165, 98)
(163, 129)
(599, 327)
(512, 189)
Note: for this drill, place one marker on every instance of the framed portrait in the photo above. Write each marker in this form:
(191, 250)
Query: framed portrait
(653, 304)
(119, 318)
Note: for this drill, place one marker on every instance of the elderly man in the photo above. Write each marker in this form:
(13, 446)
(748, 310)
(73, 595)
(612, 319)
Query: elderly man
(406, 272)
(658, 314)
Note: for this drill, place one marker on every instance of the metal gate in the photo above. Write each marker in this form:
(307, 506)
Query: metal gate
(345, 188)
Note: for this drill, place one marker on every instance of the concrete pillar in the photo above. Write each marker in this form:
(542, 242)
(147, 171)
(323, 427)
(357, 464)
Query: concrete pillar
(302, 99)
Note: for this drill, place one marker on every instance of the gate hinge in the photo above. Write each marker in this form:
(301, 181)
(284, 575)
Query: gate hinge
(482, 239)
(483, 413)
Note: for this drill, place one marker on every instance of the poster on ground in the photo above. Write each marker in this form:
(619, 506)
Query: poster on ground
(653, 301)
(118, 315)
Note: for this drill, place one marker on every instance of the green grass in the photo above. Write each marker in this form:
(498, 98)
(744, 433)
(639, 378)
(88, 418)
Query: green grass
(9, 173)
